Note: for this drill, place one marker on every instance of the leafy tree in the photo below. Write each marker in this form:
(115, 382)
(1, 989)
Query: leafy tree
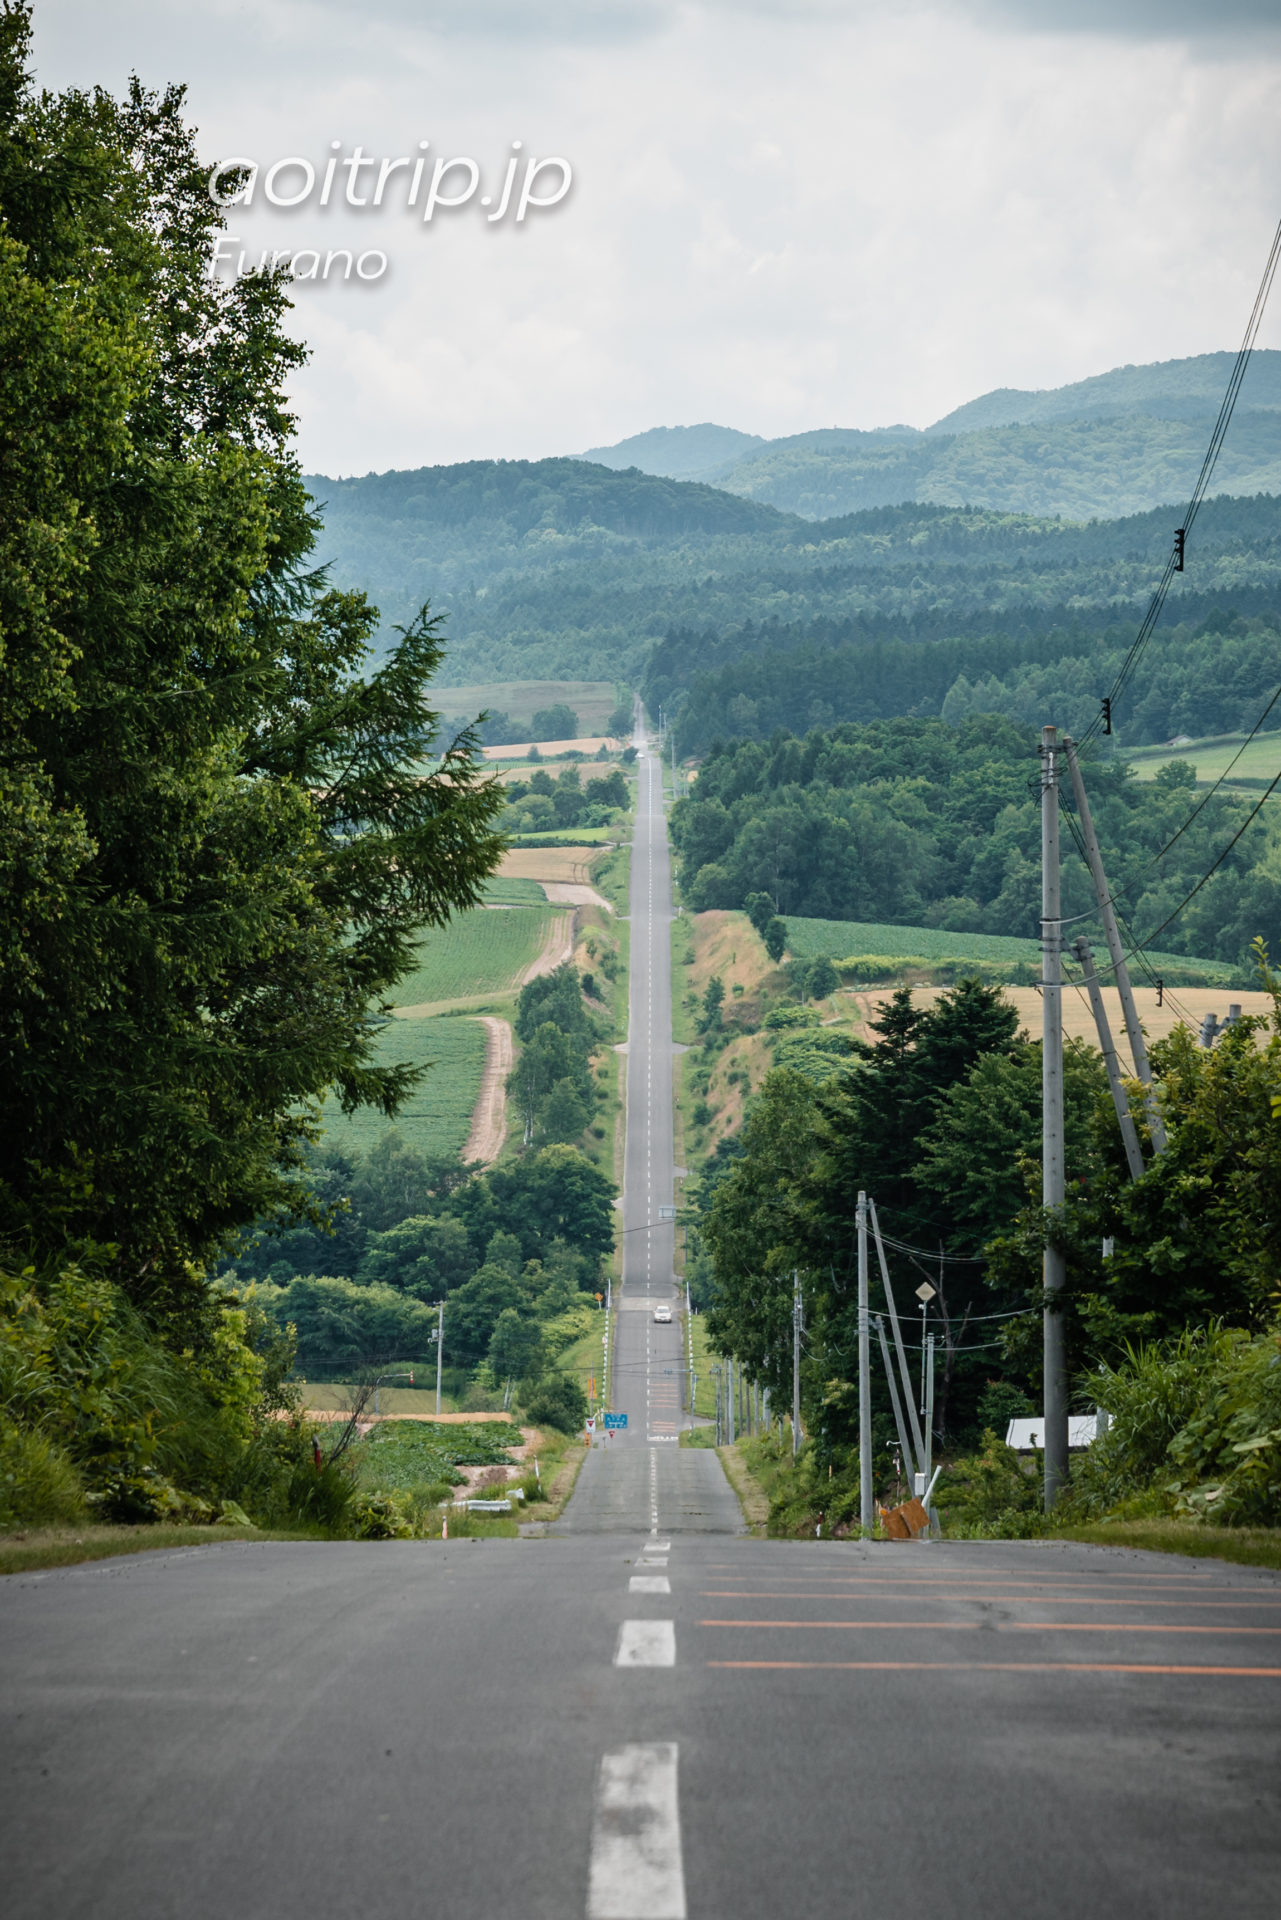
(554, 723)
(821, 978)
(775, 938)
(619, 724)
(557, 1401)
(220, 846)
(473, 1312)
(423, 1256)
(713, 1001)
(760, 910)
(515, 1347)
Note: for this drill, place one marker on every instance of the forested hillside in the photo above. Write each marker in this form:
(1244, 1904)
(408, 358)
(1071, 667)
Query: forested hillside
(1118, 443)
(558, 568)
(916, 822)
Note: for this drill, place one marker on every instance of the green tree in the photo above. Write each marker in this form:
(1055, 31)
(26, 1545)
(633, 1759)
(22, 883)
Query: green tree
(423, 1256)
(775, 938)
(713, 1001)
(619, 724)
(218, 842)
(557, 1401)
(760, 910)
(473, 1310)
(515, 1347)
(821, 979)
(554, 723)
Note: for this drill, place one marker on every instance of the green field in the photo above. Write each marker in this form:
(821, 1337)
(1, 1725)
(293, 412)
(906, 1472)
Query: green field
(1260, 761)
(436, 1118)
(484, 951)
(845, 939)
(399, 1455)
(504, 891)
(592, 700)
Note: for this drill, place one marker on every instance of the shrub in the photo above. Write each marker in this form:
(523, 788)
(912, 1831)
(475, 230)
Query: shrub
(39, 1485)
(557, 1401)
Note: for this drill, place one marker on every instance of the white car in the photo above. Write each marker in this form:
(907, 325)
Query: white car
(663, 1315)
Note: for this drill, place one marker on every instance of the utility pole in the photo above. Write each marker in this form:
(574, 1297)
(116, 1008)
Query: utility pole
(865, 1513)
(929, 1411)
(909, 1465)
(912, 1463)
(1053, 1187)
(440, 1350)
(1111, 933)
(1120, 1100)
(730, 1435)
(797, 1313)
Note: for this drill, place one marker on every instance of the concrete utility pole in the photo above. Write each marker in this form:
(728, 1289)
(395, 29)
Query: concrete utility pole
(1053, 1185)
(730, 1435)
(440, 1350)
(865, 1510)
(1111, 933)
(912, 1464)
(905, 1449)
(797, 1314)
(1120, 1099)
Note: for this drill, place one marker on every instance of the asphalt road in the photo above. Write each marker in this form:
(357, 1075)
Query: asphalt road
(644, 1714)
(646, 1375)
(508, 1731)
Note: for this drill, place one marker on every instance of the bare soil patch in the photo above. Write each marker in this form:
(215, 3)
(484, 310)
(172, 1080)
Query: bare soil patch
(489, 1120)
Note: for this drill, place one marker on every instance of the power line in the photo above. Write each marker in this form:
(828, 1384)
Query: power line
(1174, 563)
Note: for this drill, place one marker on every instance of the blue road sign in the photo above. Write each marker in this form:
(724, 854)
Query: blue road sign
(615, 1420)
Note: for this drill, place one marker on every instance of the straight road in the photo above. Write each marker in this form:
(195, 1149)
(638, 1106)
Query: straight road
(641, 1727)
(647, 1362)
(644, 1715)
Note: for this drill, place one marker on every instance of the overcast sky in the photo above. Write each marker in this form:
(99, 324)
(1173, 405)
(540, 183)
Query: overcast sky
(785, 213)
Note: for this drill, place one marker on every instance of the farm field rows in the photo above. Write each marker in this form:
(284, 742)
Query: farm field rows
(436, 1118)
(843, 939)
(484, 951)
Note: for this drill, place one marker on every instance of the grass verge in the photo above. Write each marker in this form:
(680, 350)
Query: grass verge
(559, 1487)
(752, 1497)
(1248, 1546)
(36, 1548)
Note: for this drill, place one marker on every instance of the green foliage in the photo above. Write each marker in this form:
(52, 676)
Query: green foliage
(821, 979)
(991, 1495)
(216, 861)
(553, 1080)
(1195, 1429)
(918, 823)
(554, 723)
(775, 938)
(557, 1401)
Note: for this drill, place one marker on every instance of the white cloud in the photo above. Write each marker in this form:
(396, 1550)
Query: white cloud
(782, 217)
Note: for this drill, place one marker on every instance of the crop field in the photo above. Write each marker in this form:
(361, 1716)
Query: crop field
(844, 939)
(399, 1455)
(1261, 760)
(436, 1118)
(508, 890)
(484, 951)
(592, 700)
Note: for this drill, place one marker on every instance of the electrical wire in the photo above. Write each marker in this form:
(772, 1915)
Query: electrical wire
(1218, 434)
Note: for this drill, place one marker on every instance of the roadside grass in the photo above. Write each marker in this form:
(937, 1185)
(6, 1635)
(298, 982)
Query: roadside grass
(752, 1496)
(584, 1360)
(1247, 1546)
(437, 1117)
(33, 1549)
(559, 1482)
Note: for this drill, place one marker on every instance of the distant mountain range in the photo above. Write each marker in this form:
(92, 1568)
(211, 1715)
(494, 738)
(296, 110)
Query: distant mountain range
(1116, 444)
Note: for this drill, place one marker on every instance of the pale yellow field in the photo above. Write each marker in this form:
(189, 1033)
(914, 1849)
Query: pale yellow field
(571, 864)
(547, 748)
(1189, 1004)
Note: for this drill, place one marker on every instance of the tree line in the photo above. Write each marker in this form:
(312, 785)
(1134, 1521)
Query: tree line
(918, 822)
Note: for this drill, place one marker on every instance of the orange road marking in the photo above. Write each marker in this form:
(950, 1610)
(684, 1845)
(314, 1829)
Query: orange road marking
(985, 1626)
(1016, 1599)
(990, 1666)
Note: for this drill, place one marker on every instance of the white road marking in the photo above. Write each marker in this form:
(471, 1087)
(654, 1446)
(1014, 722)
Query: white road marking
(636, 1868)
(646, 1643)
(649, 1583)
(649, 1560)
